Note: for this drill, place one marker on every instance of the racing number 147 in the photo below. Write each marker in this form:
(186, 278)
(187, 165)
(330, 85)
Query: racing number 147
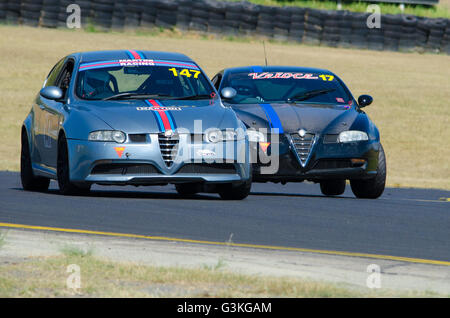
(184, 72)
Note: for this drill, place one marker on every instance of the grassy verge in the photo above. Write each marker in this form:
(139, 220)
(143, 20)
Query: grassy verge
(47, 277)
(410, 91)
(441, 10)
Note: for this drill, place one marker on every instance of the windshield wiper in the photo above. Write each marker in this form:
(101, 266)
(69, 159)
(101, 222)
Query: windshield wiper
(193, 97)
(134, 95)
(310, 94)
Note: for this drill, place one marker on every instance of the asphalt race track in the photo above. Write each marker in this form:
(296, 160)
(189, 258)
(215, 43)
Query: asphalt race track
(412, 223)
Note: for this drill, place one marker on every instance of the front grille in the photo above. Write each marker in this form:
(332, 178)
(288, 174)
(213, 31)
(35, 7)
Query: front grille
(205, 168)
(303, 146)
(124, 169)
(168, 147)
(333, 164)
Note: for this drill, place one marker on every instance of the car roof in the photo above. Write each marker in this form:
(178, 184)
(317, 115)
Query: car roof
(275, 68)
(86, 57)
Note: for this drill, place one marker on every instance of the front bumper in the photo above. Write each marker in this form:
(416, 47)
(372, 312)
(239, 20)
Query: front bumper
(326, 161)
(110, 163)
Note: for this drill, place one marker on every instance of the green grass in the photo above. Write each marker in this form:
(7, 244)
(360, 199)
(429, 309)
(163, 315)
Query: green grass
(442, 10)
(47, 276)
(74, 251)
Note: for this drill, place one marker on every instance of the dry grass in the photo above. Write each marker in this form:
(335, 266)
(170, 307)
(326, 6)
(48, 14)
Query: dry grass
(411, 91)
(47, 277)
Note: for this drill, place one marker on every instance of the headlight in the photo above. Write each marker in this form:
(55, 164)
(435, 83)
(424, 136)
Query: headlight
(216, 135)
(352, 135)
(108, 135)
(256, 136)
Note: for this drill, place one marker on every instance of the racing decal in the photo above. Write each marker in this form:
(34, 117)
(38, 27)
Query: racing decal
(206, 153)
(282, 75)
(272, 117)
(163, 117)
(176, 64)
(141, 62)
(184, 72)
(264, 146)
(125, 62)
(327, 78)
(135, 55)
(119, 151)
(176, 108)
(340, 100)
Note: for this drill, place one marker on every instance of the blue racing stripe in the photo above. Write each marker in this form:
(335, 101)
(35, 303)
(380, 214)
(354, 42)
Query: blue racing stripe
(169, 116)
(130, 55)
(257, 69)
(141, 54)
(157, 117)
(272, 117)
(173, 124)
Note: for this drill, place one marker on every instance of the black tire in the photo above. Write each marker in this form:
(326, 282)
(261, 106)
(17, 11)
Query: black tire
(332, 187)
(66, 187)
(372, 188)
(188, 189)
(235, 192)
(29, 181)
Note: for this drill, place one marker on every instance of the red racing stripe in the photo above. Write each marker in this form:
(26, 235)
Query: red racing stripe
(162, 114)
(135, 54)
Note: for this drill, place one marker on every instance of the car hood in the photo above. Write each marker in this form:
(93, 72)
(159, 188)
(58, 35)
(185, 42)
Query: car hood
(289, 118)
(137, 116)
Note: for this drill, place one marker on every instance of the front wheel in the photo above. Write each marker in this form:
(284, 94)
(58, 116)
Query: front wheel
(372, 188)
(67, 187)
(235, 191)
(29, 181)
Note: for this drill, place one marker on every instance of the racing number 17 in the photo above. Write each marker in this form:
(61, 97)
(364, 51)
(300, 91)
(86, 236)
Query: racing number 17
(328, 78)
(184, 72)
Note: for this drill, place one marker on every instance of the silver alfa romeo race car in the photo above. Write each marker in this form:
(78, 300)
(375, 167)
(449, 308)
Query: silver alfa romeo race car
(133, 118)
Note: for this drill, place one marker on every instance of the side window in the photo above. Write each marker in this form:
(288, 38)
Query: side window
(53, 75)
(216, 81)
(65, 76)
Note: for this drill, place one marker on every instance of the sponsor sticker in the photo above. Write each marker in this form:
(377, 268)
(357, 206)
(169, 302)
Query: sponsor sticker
(282, 75)
(156, 108)
(119, 151)
(206, 153)
(129, 62)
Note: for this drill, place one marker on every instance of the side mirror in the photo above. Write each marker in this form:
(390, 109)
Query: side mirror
(51, 92)
(364, 100)
(228, 93)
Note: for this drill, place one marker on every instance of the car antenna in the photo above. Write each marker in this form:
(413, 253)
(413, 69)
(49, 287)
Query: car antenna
(265, 54)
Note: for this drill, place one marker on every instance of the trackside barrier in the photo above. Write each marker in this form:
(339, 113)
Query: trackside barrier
(304, 25)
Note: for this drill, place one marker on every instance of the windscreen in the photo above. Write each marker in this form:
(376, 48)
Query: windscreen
(272, 87)
(140, 78)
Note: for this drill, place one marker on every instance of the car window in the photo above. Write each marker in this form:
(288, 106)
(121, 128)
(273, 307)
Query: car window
(63, 81)
(262, 87)
(52, 77)
(216, 81)
(101, 80)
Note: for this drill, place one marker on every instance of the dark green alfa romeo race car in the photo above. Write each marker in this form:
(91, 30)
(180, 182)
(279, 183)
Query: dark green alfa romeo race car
(305, 125)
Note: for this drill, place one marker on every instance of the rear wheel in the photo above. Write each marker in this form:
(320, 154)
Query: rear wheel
(332, 187)
(67, 187)
(29, 181)
(235, 191)
(372, 188)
